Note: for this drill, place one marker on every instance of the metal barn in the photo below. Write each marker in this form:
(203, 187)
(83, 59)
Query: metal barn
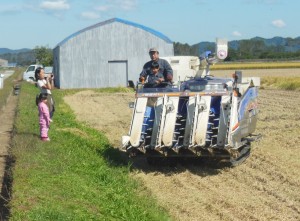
(107, 54)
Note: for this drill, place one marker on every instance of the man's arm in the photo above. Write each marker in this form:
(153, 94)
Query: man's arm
(144, 73)
(168, 71)
(143, 76)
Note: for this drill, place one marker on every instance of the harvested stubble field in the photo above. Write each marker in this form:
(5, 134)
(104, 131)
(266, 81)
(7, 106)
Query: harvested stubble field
(265, 187)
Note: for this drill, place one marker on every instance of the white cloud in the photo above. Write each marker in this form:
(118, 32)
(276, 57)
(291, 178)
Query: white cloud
(278, 23)
(103, 8)
(55, 5)
(90, 15)
(236, 33)
(109, 7)
(126, 5)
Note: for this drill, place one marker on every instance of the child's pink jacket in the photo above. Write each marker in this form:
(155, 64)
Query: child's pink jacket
(44, 119)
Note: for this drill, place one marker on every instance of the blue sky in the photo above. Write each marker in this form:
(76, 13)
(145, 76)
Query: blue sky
(31, 23)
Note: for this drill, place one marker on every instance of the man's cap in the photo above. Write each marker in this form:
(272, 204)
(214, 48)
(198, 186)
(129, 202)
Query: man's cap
(153, 49)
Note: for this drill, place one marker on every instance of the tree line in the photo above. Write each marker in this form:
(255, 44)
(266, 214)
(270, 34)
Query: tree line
(39, 55)
(253, 49)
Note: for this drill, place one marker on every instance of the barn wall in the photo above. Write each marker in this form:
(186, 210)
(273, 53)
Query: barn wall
(106, 56)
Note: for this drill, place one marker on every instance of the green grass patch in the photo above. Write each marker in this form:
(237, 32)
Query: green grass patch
(75, 176)
(284, 83)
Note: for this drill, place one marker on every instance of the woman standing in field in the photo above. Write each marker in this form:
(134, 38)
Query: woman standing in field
(44, 117)
(45, 86)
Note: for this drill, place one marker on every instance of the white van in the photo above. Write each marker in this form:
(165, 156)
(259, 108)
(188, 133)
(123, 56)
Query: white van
(28, 75)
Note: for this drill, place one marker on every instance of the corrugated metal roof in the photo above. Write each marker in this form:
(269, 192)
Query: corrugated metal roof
(158, 34)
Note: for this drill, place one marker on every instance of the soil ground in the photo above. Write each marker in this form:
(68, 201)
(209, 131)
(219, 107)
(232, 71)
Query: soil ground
(264, 187)
(7, 115)
(6, 118)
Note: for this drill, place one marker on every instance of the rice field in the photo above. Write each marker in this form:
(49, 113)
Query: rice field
(265, 187)
(255, 65)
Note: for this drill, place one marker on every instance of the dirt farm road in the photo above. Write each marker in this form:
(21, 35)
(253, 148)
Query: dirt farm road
(7, 115)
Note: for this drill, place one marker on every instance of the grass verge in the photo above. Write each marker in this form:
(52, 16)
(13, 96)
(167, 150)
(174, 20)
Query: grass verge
(75, 176)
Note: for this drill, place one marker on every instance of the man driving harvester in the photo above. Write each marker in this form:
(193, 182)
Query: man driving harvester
(164, 68)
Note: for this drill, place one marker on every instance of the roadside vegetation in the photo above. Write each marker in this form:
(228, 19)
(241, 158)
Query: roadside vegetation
(75, 176)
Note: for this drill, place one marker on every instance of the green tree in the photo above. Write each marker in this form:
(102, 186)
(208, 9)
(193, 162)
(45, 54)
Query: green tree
(232, 55)
(43, 55)
(181, 49)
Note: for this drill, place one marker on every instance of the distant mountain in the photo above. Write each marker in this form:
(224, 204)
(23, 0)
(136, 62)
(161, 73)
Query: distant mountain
(288, 44)
(10, 51)
(20, 57)
(206, 46)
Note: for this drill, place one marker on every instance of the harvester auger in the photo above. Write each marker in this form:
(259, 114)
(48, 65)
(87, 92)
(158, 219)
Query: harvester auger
(201, 117)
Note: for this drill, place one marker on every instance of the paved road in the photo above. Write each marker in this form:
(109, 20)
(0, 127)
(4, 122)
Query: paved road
(7, 73)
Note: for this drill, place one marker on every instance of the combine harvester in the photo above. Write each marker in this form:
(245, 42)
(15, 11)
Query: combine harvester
(201, 117)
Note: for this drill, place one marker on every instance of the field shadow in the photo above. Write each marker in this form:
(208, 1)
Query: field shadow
(200, 166)
(169, 167)
(30, 135)
(6, 190)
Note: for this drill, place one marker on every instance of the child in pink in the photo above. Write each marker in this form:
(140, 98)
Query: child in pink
(44, 117)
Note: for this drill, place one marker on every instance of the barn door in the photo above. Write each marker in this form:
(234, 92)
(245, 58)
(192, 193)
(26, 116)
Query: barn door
(118, 73)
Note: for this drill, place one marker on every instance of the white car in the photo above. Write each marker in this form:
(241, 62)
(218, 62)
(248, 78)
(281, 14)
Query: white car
(28, 75)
